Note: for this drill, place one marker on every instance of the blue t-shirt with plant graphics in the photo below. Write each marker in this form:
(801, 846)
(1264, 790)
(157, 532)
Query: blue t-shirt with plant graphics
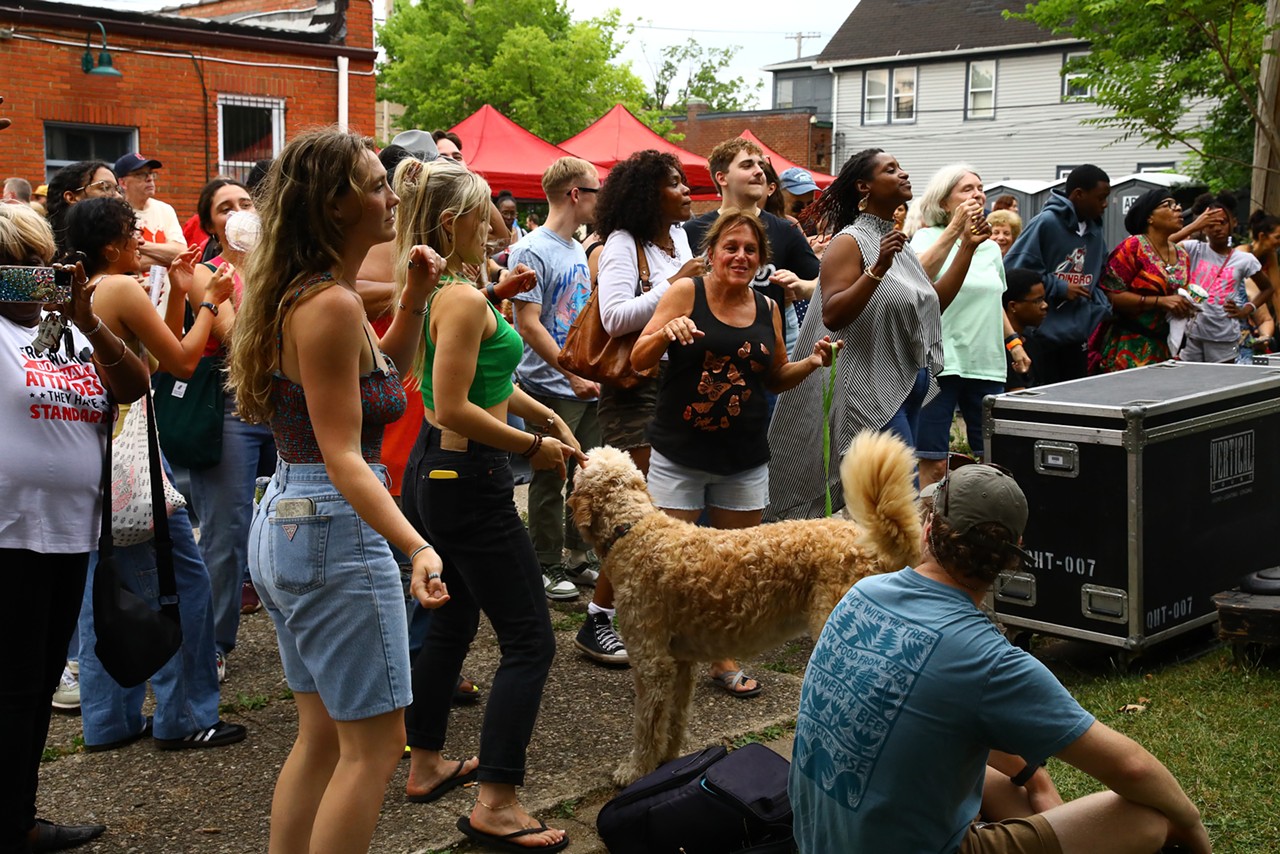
(909, 688)
(564, 286)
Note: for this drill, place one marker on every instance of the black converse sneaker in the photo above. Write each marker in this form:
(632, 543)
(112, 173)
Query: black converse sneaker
(219, 735)
(599, 642)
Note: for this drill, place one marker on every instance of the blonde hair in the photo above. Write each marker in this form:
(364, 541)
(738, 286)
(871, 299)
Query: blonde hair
(1004, 216)
(24, 236)
(565, 171)
(301, 238)
(427, 192)
(932, 212)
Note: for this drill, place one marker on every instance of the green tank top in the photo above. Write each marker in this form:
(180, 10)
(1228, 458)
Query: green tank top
(497, 360)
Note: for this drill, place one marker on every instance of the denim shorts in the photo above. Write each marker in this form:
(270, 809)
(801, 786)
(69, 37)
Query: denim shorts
(677, 487)
(333, 590)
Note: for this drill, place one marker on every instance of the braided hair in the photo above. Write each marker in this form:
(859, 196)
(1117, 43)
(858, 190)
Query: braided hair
(838, 205)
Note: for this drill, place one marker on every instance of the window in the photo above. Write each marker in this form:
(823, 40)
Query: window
(1064, 171)
(249, 129)
(65, 144)
(981, 100)
(876, 88)
(1073, 85)
(1162, 166)
(784, 96)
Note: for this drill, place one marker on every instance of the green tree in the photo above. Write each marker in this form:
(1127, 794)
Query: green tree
(1156, 65)
(690, 71)
(553, 76)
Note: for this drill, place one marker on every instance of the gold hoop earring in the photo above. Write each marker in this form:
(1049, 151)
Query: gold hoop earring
(116, 258)
(862, 204)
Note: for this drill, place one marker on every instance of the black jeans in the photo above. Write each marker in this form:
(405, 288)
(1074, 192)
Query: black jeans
(44, 593)
(489, 565)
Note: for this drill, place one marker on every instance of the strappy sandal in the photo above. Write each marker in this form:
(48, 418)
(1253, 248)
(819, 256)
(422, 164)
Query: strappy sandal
(504, 842)
(731, 681)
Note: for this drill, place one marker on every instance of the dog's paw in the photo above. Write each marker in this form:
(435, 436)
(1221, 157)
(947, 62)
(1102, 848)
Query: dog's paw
(627, 773)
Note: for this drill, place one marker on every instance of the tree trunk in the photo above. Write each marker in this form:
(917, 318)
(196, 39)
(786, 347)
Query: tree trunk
(1266, 157)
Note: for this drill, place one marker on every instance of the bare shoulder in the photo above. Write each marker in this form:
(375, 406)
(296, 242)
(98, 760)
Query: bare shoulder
(331, 318)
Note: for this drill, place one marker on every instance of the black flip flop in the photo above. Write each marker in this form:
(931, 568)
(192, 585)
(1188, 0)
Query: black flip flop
(504, 843)
(454, 781)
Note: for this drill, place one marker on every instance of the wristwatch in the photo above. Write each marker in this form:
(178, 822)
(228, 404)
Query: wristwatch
(213, 308)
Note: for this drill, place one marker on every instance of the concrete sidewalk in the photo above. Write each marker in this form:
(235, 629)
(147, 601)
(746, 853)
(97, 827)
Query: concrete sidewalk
(219, 801)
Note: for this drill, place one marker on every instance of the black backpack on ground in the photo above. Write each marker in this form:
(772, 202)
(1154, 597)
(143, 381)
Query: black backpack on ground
(711, 802)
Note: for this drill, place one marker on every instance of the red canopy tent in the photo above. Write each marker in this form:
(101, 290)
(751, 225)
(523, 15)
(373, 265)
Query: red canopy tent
(618, 134)
(781, 164)
(507, 155)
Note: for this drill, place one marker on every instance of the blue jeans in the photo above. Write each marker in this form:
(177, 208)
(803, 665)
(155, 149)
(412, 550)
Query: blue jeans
(489, 565)
(933, 441)
(223, 499)
(186, 688)
(905, 423)
(332, 588)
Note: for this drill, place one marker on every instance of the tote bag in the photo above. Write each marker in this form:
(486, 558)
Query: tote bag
(130, 499)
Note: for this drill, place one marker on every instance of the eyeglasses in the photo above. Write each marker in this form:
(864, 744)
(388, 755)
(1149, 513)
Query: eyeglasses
(1171, 204)
(583, 190)
(103, 186)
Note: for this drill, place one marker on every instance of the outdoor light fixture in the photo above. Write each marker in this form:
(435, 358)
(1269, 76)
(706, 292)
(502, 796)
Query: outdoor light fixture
(104, 67)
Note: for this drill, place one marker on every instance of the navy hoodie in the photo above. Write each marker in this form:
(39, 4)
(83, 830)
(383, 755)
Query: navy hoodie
(1052, 245)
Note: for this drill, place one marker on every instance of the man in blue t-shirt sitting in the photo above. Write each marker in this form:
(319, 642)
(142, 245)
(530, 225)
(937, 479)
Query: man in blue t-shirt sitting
(917, 716)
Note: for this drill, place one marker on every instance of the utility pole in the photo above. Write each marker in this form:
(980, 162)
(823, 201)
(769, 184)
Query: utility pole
(799, 40)
(1266, 157)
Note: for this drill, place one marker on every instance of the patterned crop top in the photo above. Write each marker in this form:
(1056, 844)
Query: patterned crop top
(495, 364)
(382, 401)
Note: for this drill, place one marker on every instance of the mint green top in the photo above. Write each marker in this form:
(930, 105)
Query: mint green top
(496, 362)
(973, 325)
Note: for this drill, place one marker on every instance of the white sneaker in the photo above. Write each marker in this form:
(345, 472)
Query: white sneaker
(222, 668)
(67, 696)
(556, 585)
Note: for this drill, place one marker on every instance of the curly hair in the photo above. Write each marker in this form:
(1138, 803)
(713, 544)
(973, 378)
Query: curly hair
(300, 239)
(94, 224)
(976, 557)
(631, 199)
(68, 178)
(838, 205)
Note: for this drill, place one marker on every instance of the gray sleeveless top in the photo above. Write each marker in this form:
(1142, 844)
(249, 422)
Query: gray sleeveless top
(898, 333)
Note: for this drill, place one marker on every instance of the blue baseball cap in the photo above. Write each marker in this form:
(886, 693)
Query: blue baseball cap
(131, 163)
(797, 181)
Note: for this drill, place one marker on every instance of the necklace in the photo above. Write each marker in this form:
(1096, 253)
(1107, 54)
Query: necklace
(1169, 266)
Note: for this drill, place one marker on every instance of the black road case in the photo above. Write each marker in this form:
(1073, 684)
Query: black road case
(1150, 490)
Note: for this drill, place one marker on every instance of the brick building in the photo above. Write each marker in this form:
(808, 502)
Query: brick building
(207, 89)
(795, 133)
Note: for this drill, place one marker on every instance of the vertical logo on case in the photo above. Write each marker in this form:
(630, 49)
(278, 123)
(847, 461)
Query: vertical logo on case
(1231, 462)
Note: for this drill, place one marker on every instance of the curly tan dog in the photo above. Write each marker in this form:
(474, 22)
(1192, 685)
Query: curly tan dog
(687, 595)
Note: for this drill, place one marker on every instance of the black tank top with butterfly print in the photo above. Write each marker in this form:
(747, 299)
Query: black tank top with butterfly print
(712, 413)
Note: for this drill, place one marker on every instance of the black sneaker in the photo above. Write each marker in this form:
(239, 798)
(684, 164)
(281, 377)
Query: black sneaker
(600, 642)
(219, 735)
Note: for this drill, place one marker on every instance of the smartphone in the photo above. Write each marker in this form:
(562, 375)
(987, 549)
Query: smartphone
(34, 284)
(292, 508)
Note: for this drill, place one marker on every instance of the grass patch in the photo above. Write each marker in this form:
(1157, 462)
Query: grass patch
(287, 693)
(1213, 723)
(244, 703)
(53, 754)
(566, 808)
(569, 622)
(769, 733)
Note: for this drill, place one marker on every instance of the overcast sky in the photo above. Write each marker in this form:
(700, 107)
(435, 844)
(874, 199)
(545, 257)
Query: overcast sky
(757, 26)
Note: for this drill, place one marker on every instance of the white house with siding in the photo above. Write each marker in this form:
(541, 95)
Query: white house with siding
(938, 81)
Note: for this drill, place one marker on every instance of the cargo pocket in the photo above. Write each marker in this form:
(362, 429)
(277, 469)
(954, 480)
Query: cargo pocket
(298, 547)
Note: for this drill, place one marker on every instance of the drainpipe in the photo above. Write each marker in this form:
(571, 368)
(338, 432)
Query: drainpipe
(834, 168)
(344, 64)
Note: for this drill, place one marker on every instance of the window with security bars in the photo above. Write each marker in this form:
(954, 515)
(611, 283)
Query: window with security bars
(249, 129)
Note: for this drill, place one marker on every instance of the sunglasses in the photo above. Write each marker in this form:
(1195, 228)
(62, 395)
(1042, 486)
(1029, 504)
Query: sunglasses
(583, 190)
(102, 187)
(1171, 204)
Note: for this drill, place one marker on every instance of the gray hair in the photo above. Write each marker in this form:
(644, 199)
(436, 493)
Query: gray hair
(20, 187)
(932, 213)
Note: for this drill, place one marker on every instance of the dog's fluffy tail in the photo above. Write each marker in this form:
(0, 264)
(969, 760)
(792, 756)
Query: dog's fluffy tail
(879, 491)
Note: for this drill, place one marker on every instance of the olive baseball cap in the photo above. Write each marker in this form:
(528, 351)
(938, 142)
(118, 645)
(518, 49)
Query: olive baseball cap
(977, 494)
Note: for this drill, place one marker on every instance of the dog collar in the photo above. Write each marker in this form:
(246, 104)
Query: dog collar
(618, 533)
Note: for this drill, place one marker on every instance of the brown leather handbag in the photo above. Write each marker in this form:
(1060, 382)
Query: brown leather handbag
(593, 354)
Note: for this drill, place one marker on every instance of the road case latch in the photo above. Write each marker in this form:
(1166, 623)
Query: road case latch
(1104, 603)
(1016, 587)
(1058, 459)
